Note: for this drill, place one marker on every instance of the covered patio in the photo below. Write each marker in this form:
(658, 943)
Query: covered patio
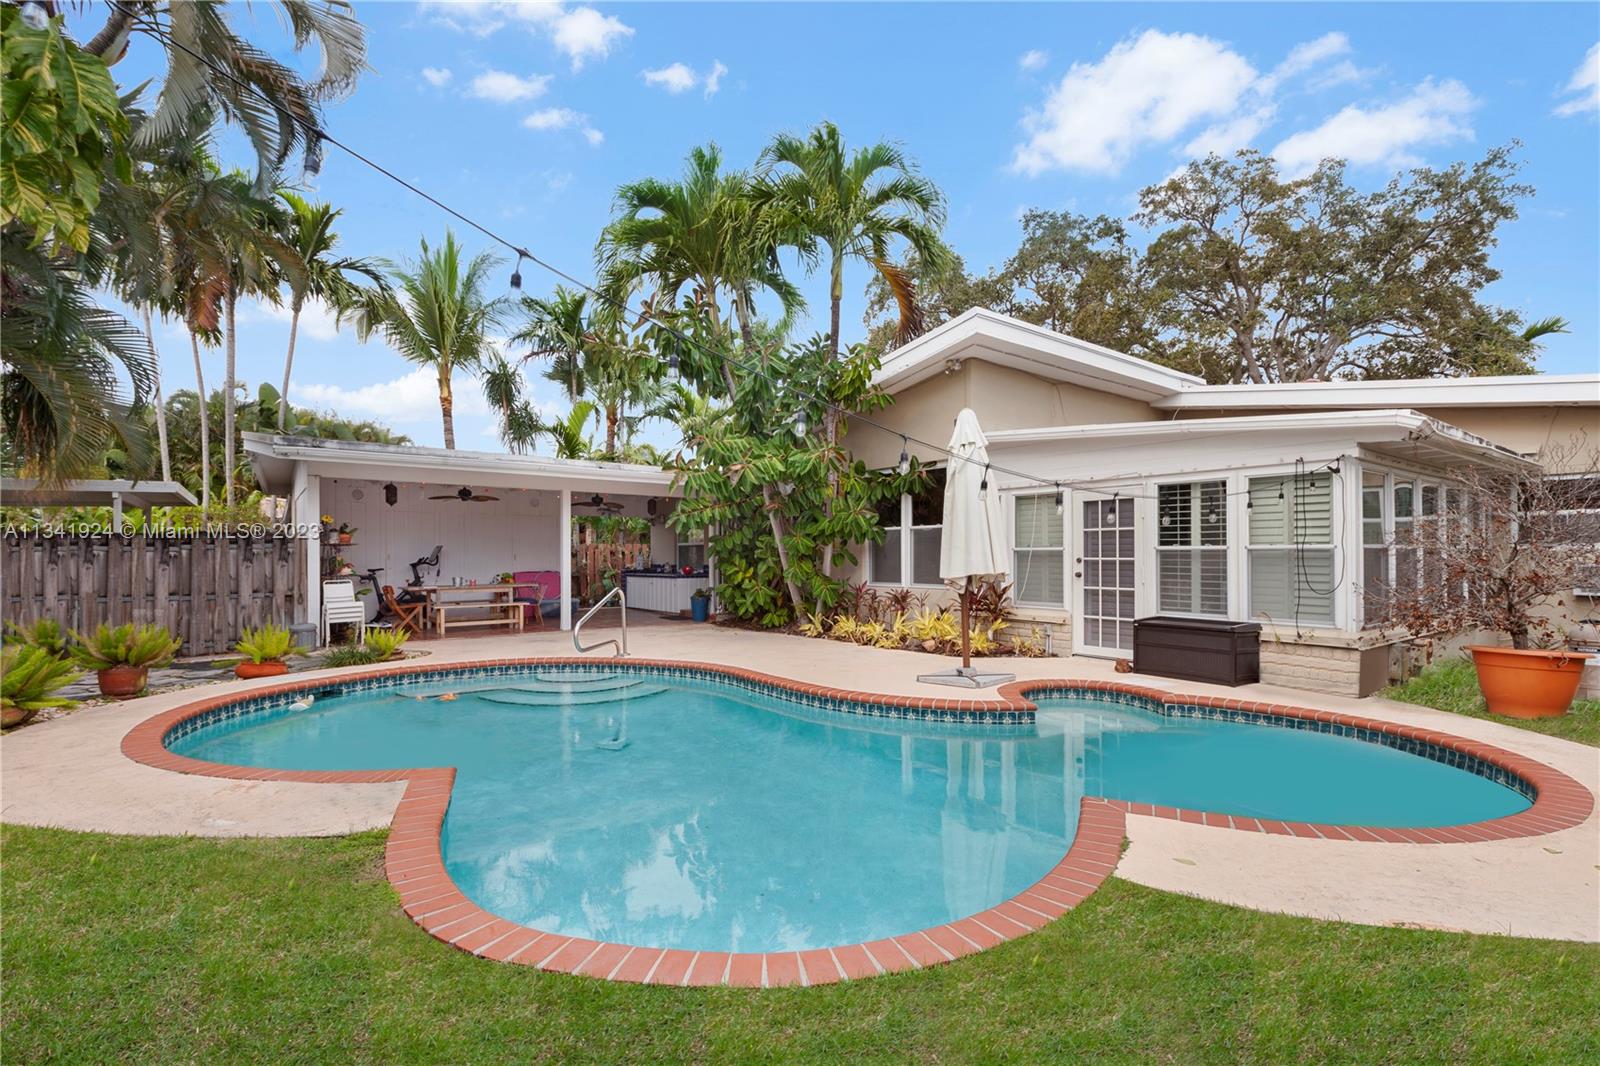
(486, 513)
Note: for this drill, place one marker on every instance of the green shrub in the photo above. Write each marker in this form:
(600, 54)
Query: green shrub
(385, 643)
(28, 676)
(267, 644)
(46, 633)
(125, 645)
(348, 655)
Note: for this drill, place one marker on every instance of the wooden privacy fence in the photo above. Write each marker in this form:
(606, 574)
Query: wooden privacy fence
(203, 587)
(591, 560)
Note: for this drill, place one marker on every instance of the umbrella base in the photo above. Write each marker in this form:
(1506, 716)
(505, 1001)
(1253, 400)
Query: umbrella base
(966, 677)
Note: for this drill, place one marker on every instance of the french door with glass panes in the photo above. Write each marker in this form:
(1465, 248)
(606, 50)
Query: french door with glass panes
(1104, 569)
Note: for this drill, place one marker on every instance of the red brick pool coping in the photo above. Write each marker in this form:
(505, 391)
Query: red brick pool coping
(414, 860)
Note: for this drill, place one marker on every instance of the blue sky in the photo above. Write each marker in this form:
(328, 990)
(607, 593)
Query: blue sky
(529, 116)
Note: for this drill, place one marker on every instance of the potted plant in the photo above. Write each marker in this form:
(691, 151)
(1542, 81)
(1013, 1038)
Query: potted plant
(264, 649)
(29, 677)
(1505, 560)
(700, 605)
(347, 532)
(122, 656)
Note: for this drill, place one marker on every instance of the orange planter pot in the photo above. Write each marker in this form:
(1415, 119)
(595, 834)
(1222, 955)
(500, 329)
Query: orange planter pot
(120, 682)
(248, 670)
(1528, 682)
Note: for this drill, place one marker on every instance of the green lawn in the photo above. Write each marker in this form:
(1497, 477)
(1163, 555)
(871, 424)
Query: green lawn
(178, 950)
(1452, 685)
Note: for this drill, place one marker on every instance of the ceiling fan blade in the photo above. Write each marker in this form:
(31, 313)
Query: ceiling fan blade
(481, 498)
(452, 496)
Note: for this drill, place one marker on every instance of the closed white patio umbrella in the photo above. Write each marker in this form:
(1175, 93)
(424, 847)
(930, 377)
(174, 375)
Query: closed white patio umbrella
(973, 541)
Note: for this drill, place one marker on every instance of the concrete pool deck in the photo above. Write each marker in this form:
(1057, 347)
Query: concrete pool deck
(72, 773)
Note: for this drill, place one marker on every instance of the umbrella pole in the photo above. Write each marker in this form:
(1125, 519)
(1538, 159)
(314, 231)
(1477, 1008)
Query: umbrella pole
(966, 626)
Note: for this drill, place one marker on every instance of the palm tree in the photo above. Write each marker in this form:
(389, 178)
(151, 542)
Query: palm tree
(702, 233)
(308, 229)
(567, 434)
(437, 316)
(217, 69)
(503, 388)
(855, 206)
(590, 352)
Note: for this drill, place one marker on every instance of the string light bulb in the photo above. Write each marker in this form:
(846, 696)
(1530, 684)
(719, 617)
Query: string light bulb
(516, 273)
(1060, 504)
(983, 485)
(904, 466)
(800, 427)
(313, 164)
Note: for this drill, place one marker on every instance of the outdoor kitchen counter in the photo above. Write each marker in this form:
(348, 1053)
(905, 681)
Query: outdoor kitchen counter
(669, 593)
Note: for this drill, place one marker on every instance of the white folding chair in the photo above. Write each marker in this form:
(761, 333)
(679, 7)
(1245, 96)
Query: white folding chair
(339, 604)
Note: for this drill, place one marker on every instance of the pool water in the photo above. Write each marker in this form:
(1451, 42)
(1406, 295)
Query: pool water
(696, 815)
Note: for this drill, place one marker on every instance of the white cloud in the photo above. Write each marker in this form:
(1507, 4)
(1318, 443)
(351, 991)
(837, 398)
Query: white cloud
(678, 78)
(561, 118)
(438, 77)
(581, 33)
(316, 321)
(1585, 83)
(1033, 59)
(553, 118)
(1146, 90)
(410, 398)
(1432, 113)
(1225, 138)
(1303, 57)
(714, 78)
(504, 88)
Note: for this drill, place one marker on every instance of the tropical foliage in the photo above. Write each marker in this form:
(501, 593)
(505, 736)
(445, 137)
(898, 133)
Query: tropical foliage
(124, 645)
(267, 644)
(29, 678)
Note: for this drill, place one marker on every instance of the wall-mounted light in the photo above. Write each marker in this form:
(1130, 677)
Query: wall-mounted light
(391, 495)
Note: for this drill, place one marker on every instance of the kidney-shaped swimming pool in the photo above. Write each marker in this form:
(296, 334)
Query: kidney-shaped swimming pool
(663, 810)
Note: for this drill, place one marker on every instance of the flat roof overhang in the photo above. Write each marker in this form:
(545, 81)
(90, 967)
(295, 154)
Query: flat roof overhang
(274, 457)
(94, 492)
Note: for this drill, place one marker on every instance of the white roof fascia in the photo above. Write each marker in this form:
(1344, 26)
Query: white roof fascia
(1005, 341)
(1520, 390)
(1363, 427)
(355, 459)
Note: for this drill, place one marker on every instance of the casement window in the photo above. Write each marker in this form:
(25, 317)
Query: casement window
(913, 525)
(1038, 550)
(1291, 548)
(1192, 548)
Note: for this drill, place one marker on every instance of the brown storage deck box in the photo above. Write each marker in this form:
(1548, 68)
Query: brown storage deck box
(1198, 649)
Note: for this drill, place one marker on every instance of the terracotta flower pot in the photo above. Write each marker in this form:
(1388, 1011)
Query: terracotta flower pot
(344, 538)
(10, 716)
(271, 668)
(120, 682)
(1528, 682)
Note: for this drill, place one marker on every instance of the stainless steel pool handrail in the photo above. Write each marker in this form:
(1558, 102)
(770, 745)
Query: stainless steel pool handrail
(622, 645)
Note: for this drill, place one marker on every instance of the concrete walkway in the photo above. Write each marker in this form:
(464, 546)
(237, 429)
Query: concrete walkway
(71, 773)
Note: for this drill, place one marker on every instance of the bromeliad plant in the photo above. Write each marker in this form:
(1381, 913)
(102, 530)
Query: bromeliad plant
(29, 677)
(122, 656)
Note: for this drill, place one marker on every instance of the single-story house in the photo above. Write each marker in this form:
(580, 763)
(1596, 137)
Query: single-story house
(489, 512)
(1150, 492)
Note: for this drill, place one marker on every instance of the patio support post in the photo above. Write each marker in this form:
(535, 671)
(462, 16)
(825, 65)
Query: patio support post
(565, 548)
(116, 512)
(305, 511)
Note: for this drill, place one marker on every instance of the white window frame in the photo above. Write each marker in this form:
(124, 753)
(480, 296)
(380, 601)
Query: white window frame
(1066, 548)
(1226, 548)
(906, 538)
